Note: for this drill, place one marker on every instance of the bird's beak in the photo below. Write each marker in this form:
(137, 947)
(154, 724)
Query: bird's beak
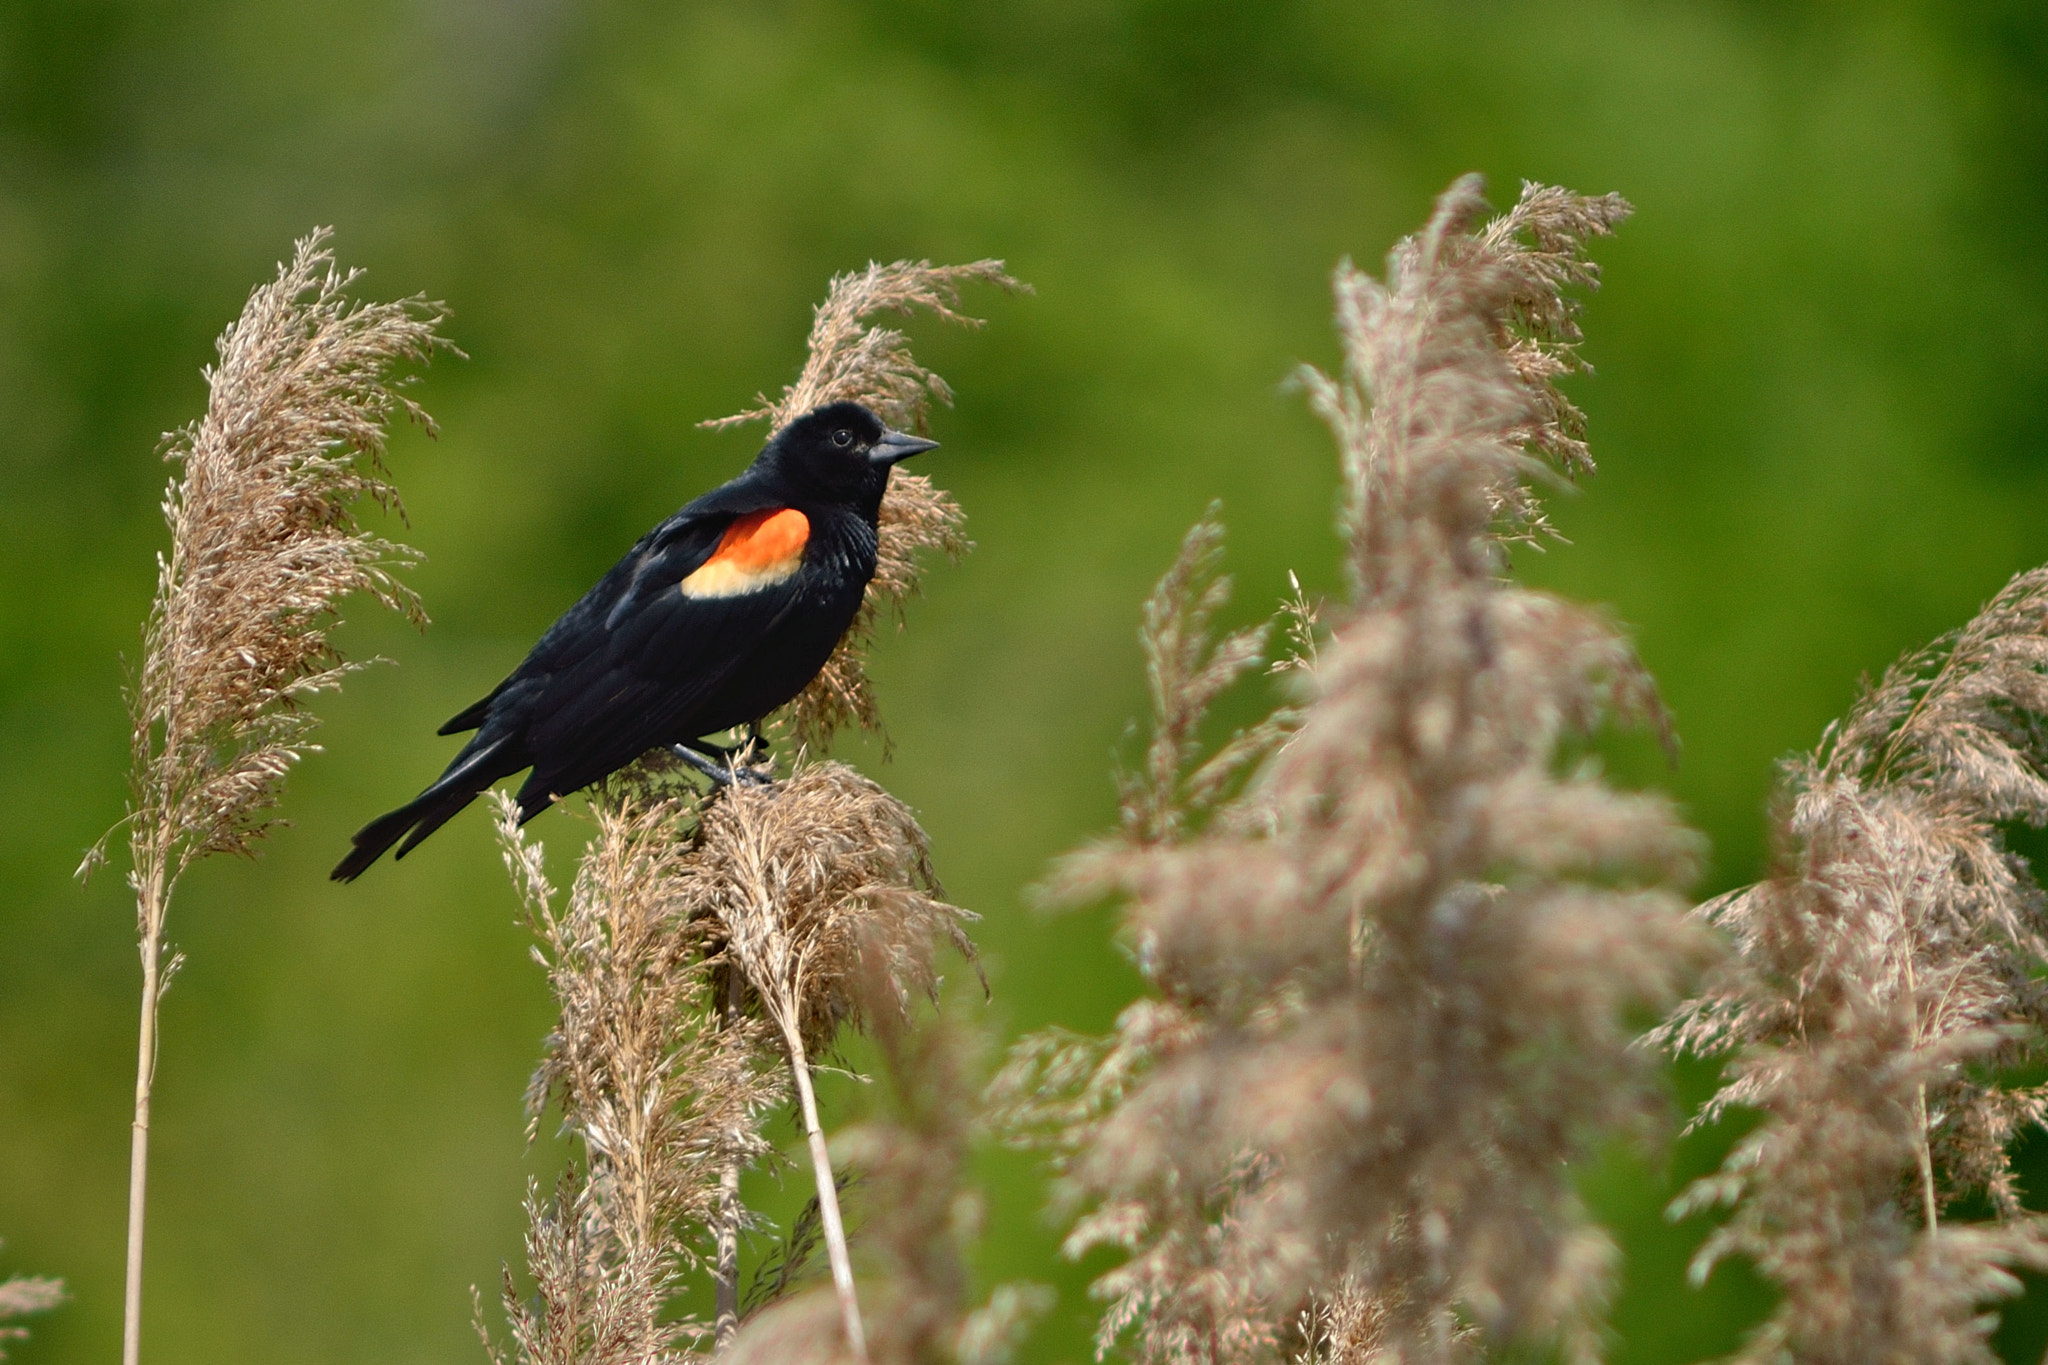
(897, 445)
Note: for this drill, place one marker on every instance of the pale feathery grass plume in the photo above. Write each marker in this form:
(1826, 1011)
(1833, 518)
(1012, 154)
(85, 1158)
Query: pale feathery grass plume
(21, 1295)
(1186, 670)
(661, 1087)
(814, 902)
(850, 358)
(1883, 978)
(1392, 970)
(824, 888)
(264, 545)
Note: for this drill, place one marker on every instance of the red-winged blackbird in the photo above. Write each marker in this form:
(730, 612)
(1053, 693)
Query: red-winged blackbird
(718, 616)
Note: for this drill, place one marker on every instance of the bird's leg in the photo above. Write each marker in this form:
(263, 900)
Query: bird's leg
(719, 773)
(722, 765)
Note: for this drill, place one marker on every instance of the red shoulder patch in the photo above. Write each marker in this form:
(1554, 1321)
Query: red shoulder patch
(759, 539)
(757, 550)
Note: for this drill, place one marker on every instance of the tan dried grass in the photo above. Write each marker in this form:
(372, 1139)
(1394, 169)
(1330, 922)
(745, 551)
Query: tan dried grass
(825, 890)
(264, 545)
(1884, 979)
(662, 1089)
(1391, 972)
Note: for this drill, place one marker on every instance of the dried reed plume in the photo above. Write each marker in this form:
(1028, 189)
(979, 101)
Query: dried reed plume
(778, 948)
(873, 365)
(264, 545)
(825, 890)
(1882, 978)
(1390, 972)
(703, 946)
(660, 1086)
(21, 1295)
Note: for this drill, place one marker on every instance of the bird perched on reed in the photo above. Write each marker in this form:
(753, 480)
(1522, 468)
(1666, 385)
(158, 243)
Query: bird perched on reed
(716, 617)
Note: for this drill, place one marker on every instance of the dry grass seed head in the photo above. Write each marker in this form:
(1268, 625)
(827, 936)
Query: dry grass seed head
(1468, 335)
(850, 358)
(662, 1092)
(825, 888)
(1186, 669)
(644, 1070)
(1882, 979)
(593, 1303)
(264, 544)
(1395, 968)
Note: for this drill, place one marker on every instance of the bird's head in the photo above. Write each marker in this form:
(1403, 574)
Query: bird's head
(840, 451)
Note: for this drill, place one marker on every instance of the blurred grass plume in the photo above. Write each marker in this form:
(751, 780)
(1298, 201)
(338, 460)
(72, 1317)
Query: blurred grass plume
(1391, 968)
(21, 1295)
(1886, 981)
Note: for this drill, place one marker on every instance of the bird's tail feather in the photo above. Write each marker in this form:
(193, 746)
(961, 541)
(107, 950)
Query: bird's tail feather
(465, 779)
(432, 819)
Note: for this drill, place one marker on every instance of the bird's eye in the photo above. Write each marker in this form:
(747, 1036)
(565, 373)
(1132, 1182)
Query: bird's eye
(842, 438)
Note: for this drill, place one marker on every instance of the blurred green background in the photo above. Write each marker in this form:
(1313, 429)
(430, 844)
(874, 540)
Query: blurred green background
(1820, 414)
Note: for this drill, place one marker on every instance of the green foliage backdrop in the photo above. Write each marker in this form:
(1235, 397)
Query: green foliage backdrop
(1823, 378)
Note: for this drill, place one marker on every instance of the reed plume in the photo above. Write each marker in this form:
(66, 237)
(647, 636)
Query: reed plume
(1186, 670)
(849, 358)
(852, 359)
(825, 889)
(1883, 978)
(705, 946)
(661, 1087)
(21, 1295)
(264, 545)
(1390, 972)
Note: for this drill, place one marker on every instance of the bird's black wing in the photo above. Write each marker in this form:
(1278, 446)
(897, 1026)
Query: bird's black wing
(665, 658)
(625, 668)
(665, 555)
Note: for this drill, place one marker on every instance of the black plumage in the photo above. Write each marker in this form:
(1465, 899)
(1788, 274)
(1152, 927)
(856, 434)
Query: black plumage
(716, 617)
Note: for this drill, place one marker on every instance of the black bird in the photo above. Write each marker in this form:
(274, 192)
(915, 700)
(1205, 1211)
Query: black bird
(718, 616)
